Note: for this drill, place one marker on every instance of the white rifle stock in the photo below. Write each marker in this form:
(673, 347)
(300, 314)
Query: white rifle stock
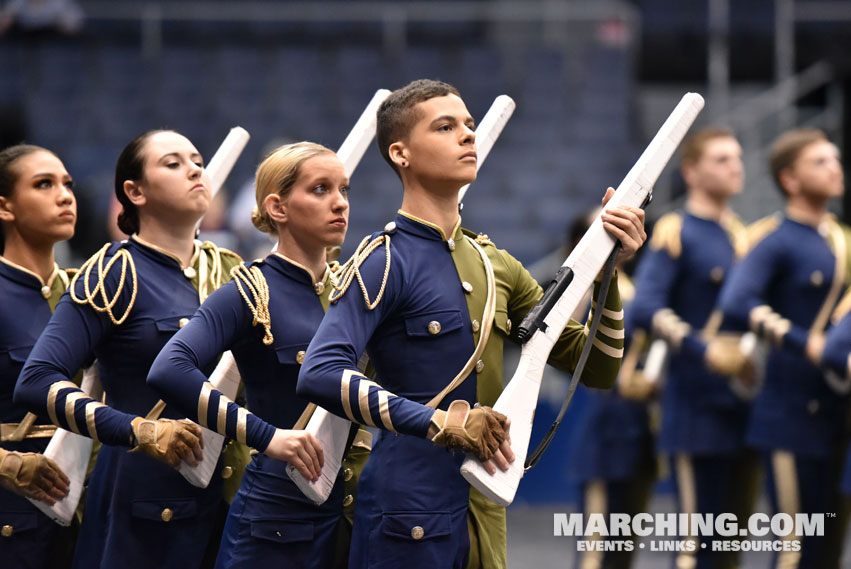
(71, 453)
(333, 431)
(520, 397)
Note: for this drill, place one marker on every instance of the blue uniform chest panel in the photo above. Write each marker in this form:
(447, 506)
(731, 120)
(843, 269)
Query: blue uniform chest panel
(427, 334)
(270, 373)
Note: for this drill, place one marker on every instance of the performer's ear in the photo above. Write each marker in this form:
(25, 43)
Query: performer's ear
(398, 154)
(788, 181)
(6, 213)
(276, 208)
(134, 193)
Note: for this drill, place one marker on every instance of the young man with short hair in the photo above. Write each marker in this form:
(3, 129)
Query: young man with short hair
(423, 290)
(784, 291)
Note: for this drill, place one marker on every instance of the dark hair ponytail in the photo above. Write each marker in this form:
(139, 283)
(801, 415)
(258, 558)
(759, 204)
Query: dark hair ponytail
(130, 166)
(8, 177)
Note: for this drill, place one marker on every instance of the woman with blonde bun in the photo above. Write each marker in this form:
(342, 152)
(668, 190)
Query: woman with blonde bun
(267, 316)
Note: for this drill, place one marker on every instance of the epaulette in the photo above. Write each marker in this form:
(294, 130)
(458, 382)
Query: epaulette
(762, 228)
(667, 234)
(98, 297)
(737, 232)
(479, 238)
(350, 270)
(252, 278)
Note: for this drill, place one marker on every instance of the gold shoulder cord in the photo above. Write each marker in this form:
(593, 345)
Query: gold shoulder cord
(253, 279)
(100, 289)
(351, 269)
(209, 277)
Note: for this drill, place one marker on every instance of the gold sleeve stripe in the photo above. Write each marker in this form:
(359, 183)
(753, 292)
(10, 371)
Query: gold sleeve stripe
(241, 425)
(344, 393)
(608, 350)
(204, 403)
(611, 314)
(222, 418)
(611, 332)
(70, 401)
(384, 410)
(363, 401)
(53, 394)
(91, 406)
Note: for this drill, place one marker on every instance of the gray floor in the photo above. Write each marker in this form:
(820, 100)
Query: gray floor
(531, 543)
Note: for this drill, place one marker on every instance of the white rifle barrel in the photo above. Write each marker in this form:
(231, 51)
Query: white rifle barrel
(488, 132)
(331, 430)
(222, 162)
(520, 398)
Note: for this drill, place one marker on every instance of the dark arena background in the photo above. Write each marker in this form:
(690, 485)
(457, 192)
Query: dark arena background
(592, 80)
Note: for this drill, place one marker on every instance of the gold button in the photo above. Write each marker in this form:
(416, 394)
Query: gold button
(166, 515)
(347, 501)
(480, 365)
(390, 227)
(508, 325)
(227, 472)
(451, 244)
(183, 322)
(467, 286)
(299, 357)
(417, 532)
(476, 326)
(817, 278)
(45, 291)
(278, 533)
(717, 274)
(434, 327)
(7, 531)
(319, 288)
(347, 474)
(190, 272)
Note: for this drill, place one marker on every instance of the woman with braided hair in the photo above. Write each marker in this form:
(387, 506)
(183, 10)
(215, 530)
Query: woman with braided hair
(124, 305)
(37, 210)
(267, 316)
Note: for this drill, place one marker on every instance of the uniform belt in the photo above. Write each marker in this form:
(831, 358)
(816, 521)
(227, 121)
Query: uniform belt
(10, 432)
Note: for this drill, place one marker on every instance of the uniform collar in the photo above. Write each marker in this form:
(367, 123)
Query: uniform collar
(166, 257)
(422, 228)
(296, 270)
(26, 277)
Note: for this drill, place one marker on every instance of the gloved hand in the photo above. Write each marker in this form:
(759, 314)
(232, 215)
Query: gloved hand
(33, 475)
(635, 387)
(479, 431)
(168, 441)
(724, 357)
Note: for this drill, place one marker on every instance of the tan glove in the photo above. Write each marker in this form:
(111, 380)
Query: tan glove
(168, 441)
(724, 357)
(32, 475)
(479, 431)
(635, 387)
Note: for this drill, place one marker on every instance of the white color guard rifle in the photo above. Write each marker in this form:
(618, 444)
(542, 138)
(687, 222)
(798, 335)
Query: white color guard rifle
(544, 324)
(333, 431)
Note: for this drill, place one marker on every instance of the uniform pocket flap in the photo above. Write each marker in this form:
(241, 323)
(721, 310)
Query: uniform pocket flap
(19, 355)
(172, 323)
(282, 531)
(19, 521)
(434, 323)
(416, 526)
(291, 354)
(164, 510)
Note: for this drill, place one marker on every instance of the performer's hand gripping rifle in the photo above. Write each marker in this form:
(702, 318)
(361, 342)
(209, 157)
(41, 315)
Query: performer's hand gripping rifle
(332, 431)
(542, 327)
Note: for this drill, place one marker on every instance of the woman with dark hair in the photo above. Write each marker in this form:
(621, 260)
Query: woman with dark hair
(266, 316)
(37, 210)
(125, 303)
